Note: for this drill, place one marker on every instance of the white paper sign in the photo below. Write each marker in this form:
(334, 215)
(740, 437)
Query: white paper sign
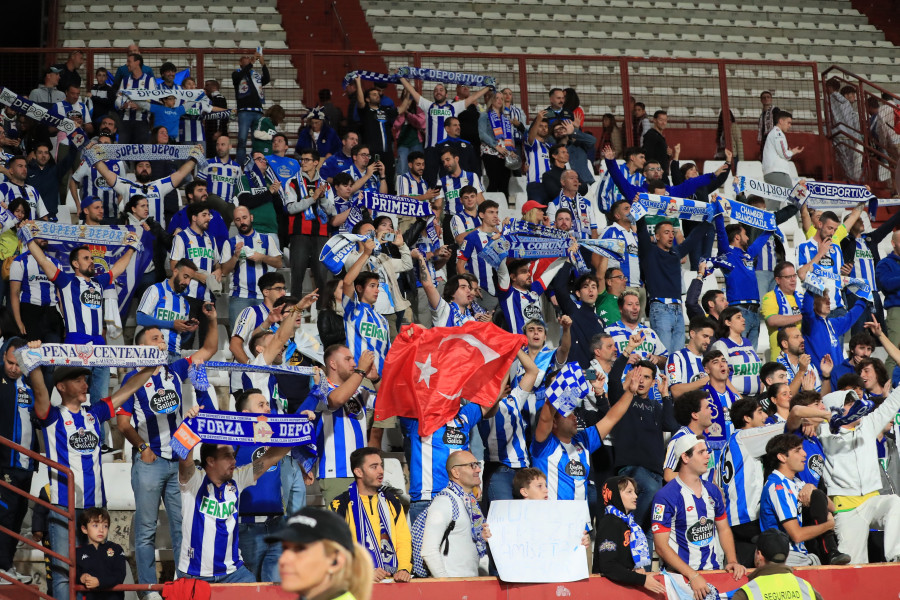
(539, 541)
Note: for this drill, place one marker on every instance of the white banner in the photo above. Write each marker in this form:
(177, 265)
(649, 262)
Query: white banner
(539, 541)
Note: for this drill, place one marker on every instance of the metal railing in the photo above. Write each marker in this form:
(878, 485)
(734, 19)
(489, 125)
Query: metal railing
(879, 158)
(69, 514)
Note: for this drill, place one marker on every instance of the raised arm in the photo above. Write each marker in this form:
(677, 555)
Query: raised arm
(431, 292)
(409, 88)
(357, 268)
(131, 386)
(473, 98)
(46, 265)
(526, 383)
(120, 265)
(360, 100)
(39, 387)
(110, 177)
(211, 343)
(618, 410)
(565, 342)
(339, 396)
(178, 176)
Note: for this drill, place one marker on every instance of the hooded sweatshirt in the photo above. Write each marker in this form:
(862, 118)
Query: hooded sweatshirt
(613, 554)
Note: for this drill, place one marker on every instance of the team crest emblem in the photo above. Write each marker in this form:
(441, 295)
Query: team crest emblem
(84, 352)
(262, 432)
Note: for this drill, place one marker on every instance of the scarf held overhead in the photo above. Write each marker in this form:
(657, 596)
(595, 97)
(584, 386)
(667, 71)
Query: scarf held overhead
(76, 135)
(435, 75)
(395, 205)
(89, 355)
(241, 429)
(159, 94)
(667, 206)
(138, 152)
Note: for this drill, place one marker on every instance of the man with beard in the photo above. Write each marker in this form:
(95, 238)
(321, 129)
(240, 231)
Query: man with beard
(92, 209)
(798, 363)
(164, 306)
(364, 506)
(469, 156)
(87, 181)
(221, 176)
(195, 244)
(341, 161)
(154, 191)
(455, 180)
(685, 366)
(81, 300)
(440, 110)
(249, 255)
(149, 419)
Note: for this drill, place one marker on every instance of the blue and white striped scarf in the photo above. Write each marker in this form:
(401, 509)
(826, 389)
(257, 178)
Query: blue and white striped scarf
(435, 75)
(77, 137)
(668, 206)
(380, 546)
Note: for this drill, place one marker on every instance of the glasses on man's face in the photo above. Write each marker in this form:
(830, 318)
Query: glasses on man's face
(616, 277)
(654, 169)
(361, 155)
(475, 466)
(794, 276)
(306, 159)
(277, 288)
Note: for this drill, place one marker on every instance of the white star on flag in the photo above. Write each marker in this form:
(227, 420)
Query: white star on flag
(426, 371)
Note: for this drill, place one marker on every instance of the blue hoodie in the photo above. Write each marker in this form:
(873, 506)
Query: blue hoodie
(823, 335)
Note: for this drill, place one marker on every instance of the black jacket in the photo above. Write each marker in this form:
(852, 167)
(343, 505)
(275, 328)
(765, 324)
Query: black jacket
(585, 322)
(46, 180)
(106, 562)
(331, 328)
(612, 552)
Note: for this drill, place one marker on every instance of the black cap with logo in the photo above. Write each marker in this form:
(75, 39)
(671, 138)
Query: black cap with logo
(312, 525)
(774, 545)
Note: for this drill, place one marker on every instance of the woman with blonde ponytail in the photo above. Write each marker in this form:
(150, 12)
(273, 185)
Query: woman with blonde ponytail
(320, 559)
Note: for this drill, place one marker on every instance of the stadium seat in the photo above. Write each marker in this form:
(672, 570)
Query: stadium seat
(198, 25)
(222, 26)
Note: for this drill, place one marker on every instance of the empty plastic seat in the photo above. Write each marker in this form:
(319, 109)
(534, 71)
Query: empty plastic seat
(198, 25)
(222, 26)
(246, 26)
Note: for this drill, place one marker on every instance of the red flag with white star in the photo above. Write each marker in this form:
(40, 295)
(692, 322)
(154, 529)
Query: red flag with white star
(428, 371)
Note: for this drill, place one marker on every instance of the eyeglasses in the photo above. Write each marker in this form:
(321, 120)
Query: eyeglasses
(361, 155)
(279, 288)
(307, 159)
(475, 466)
(616, 277)
(654, 169)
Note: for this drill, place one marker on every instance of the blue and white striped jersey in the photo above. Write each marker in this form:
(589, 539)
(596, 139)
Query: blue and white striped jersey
(630, 266)
(831, 263)
(209, 546)
(427, 457)
(161, 302)
(609, 193)
(815, 459)
(407, 185)
(156, 408)
(373, 184)
(246, 274)
(221, 177)
(81, 301)
(538, 156)
(504, 434)
(450, 187)
(690, 523)
(740, 472)
(718, 433)
(743, 364)
(768, 258)
(792, 371)
(450, 314)
(463, 222)
(18, 426)
(566, 465)
(583, 224)
(339, 432)
(247, 322)
(155, 191)
(93, 184)
(651, 345)
(266, 383)
(671, 460)
(37, 288)
(864, 264)
(202, 251)
(684, 367)
(780, 503)
(366, 329)
(73, 440)
(470, 251)
(10, 191)
(437, 114)
(144, 82)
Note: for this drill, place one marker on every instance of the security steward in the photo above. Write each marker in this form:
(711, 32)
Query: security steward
(772, 578)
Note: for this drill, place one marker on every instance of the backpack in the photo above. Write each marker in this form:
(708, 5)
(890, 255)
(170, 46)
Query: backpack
(418, 533)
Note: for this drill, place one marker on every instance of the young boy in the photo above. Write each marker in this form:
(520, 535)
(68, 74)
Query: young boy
(531, 484)
(100, 564)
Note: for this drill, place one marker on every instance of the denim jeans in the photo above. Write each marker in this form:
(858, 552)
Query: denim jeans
(260, 558)
(648, 484)
(241, 575)
(415, 509)
(58, 530)
(667, 321)
(151, 483)
(403, 153)
(497, 479)
(236, 305)
(293, 488)
(247, 120)
(751, 325)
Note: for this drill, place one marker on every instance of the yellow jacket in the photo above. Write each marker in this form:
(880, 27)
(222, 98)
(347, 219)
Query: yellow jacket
(399, 528)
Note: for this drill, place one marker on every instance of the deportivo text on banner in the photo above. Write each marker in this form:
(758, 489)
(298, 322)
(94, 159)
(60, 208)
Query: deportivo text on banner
(241, 429)
(77, 137)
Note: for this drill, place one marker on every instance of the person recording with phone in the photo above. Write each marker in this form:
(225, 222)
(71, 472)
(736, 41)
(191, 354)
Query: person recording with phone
(376, 122)
(367, 171)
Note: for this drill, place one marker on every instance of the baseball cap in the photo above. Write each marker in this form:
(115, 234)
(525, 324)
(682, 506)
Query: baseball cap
(88, 200)
(61, 374)
(534, 321)
(774, 545)
(49, 70)
(532, 204)
(312, 525)
(685, 443)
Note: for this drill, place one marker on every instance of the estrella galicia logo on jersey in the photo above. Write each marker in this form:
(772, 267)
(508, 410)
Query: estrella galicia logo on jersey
(826, 261)
(353, 406)
(453, 436)
(217, 510)
(701, 532)
(575, 469)
(532, 311)
(258, 454)
(816, 464)
(372, 331)
(84, 441)
(164, 401)
(658, 511)
(91, 298)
